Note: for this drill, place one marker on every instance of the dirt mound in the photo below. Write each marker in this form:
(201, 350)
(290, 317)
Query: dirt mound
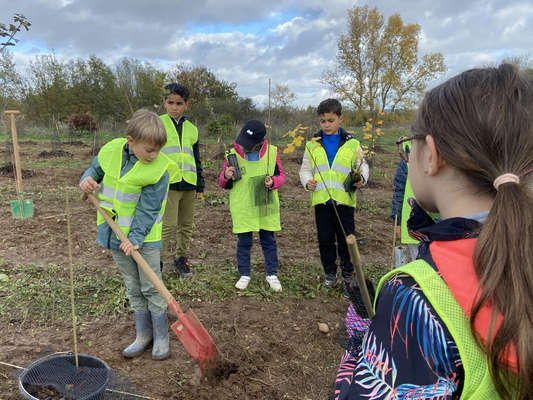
(78, 143)
(54, 153)
(9, 171)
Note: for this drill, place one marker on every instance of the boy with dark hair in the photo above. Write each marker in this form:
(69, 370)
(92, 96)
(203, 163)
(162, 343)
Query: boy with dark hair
(328, 160)
(183, 148)
(330, 106)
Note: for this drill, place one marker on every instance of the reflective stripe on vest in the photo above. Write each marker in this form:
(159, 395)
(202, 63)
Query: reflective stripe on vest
(478, 383)
(119, 195)
(332, 178)
(329, 185)
(248, 197)
(181, 153)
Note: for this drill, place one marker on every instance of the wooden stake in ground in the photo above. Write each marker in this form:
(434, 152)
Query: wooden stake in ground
(394, 240)
(268, 148)
(73, 309)
(18, 172)
(355, 257)
(20, 208)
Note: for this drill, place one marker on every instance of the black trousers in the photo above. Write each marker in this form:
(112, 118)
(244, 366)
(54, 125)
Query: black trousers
(331, 239)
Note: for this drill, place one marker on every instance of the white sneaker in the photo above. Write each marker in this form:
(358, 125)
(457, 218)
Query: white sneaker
(274, 283)
(243, 282)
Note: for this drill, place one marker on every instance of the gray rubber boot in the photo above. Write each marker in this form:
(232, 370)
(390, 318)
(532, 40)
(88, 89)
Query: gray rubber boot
(143, 329)
(160, 349)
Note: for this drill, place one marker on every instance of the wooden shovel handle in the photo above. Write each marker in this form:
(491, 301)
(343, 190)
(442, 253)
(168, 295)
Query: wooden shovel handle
(355, 257)
(141, 262)
(394, 240)
(18, 172)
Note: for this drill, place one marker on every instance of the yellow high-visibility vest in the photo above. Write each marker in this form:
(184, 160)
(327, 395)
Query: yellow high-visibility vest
(332, 178)
(119, 195)
(248, 197)
(181, 153)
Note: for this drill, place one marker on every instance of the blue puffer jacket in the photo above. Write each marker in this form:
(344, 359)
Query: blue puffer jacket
(400, 178)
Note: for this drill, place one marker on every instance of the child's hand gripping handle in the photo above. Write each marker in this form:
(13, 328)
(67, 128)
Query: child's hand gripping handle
(163, 291)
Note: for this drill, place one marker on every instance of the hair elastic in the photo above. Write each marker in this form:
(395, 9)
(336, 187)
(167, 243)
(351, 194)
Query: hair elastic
(505, 178)
(527, 172)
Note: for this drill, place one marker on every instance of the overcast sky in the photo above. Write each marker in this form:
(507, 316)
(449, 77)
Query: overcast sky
(248, 42)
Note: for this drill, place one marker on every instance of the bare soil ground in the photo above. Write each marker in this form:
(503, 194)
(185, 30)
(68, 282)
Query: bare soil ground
(273, 348)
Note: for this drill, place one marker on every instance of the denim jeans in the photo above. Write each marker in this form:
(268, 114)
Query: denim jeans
(270, 251)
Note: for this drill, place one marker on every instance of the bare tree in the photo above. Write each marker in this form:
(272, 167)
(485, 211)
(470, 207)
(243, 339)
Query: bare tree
(282, 97)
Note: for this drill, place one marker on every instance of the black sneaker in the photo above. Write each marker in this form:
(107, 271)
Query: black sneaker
(346, 283)
(330, 281)
(182, 267)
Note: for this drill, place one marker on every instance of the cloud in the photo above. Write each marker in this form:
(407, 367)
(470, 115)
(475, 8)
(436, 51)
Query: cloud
(290, 41)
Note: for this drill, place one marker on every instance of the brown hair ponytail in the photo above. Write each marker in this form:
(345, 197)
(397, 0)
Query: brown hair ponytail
(482, 123)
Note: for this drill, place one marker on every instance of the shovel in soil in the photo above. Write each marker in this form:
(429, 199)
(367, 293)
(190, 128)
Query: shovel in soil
(188, 328)
(20, 208)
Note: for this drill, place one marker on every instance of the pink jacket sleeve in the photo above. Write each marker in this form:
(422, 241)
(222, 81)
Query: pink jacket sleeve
(221, 179)
(279, 180)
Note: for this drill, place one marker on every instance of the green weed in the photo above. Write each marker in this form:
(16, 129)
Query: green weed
(373, 207)
(42, 292)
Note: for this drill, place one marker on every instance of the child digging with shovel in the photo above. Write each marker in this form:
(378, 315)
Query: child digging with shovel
(134, 178)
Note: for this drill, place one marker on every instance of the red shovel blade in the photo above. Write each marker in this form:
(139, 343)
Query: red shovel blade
(195, 338)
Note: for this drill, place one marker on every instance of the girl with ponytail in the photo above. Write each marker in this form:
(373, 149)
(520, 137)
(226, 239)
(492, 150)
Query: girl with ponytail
(457, 323)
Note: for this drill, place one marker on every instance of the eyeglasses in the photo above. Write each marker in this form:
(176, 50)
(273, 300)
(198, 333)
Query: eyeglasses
(403, 148)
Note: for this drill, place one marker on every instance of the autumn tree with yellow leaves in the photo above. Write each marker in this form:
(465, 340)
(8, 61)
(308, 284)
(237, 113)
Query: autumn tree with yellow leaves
(378, 65)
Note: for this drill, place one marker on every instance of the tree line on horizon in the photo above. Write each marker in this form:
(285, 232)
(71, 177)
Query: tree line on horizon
(378, 68)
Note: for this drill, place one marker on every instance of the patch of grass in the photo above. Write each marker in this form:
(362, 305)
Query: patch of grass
(375, 271)
(294, 203)
(216, 283)
(46, 135)
(209, 163)
(375, 207)
(215, 199)
(56, 162)
(40, 194)
(42, 292)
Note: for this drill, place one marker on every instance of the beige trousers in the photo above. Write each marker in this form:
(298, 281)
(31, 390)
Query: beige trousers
(178, 221)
